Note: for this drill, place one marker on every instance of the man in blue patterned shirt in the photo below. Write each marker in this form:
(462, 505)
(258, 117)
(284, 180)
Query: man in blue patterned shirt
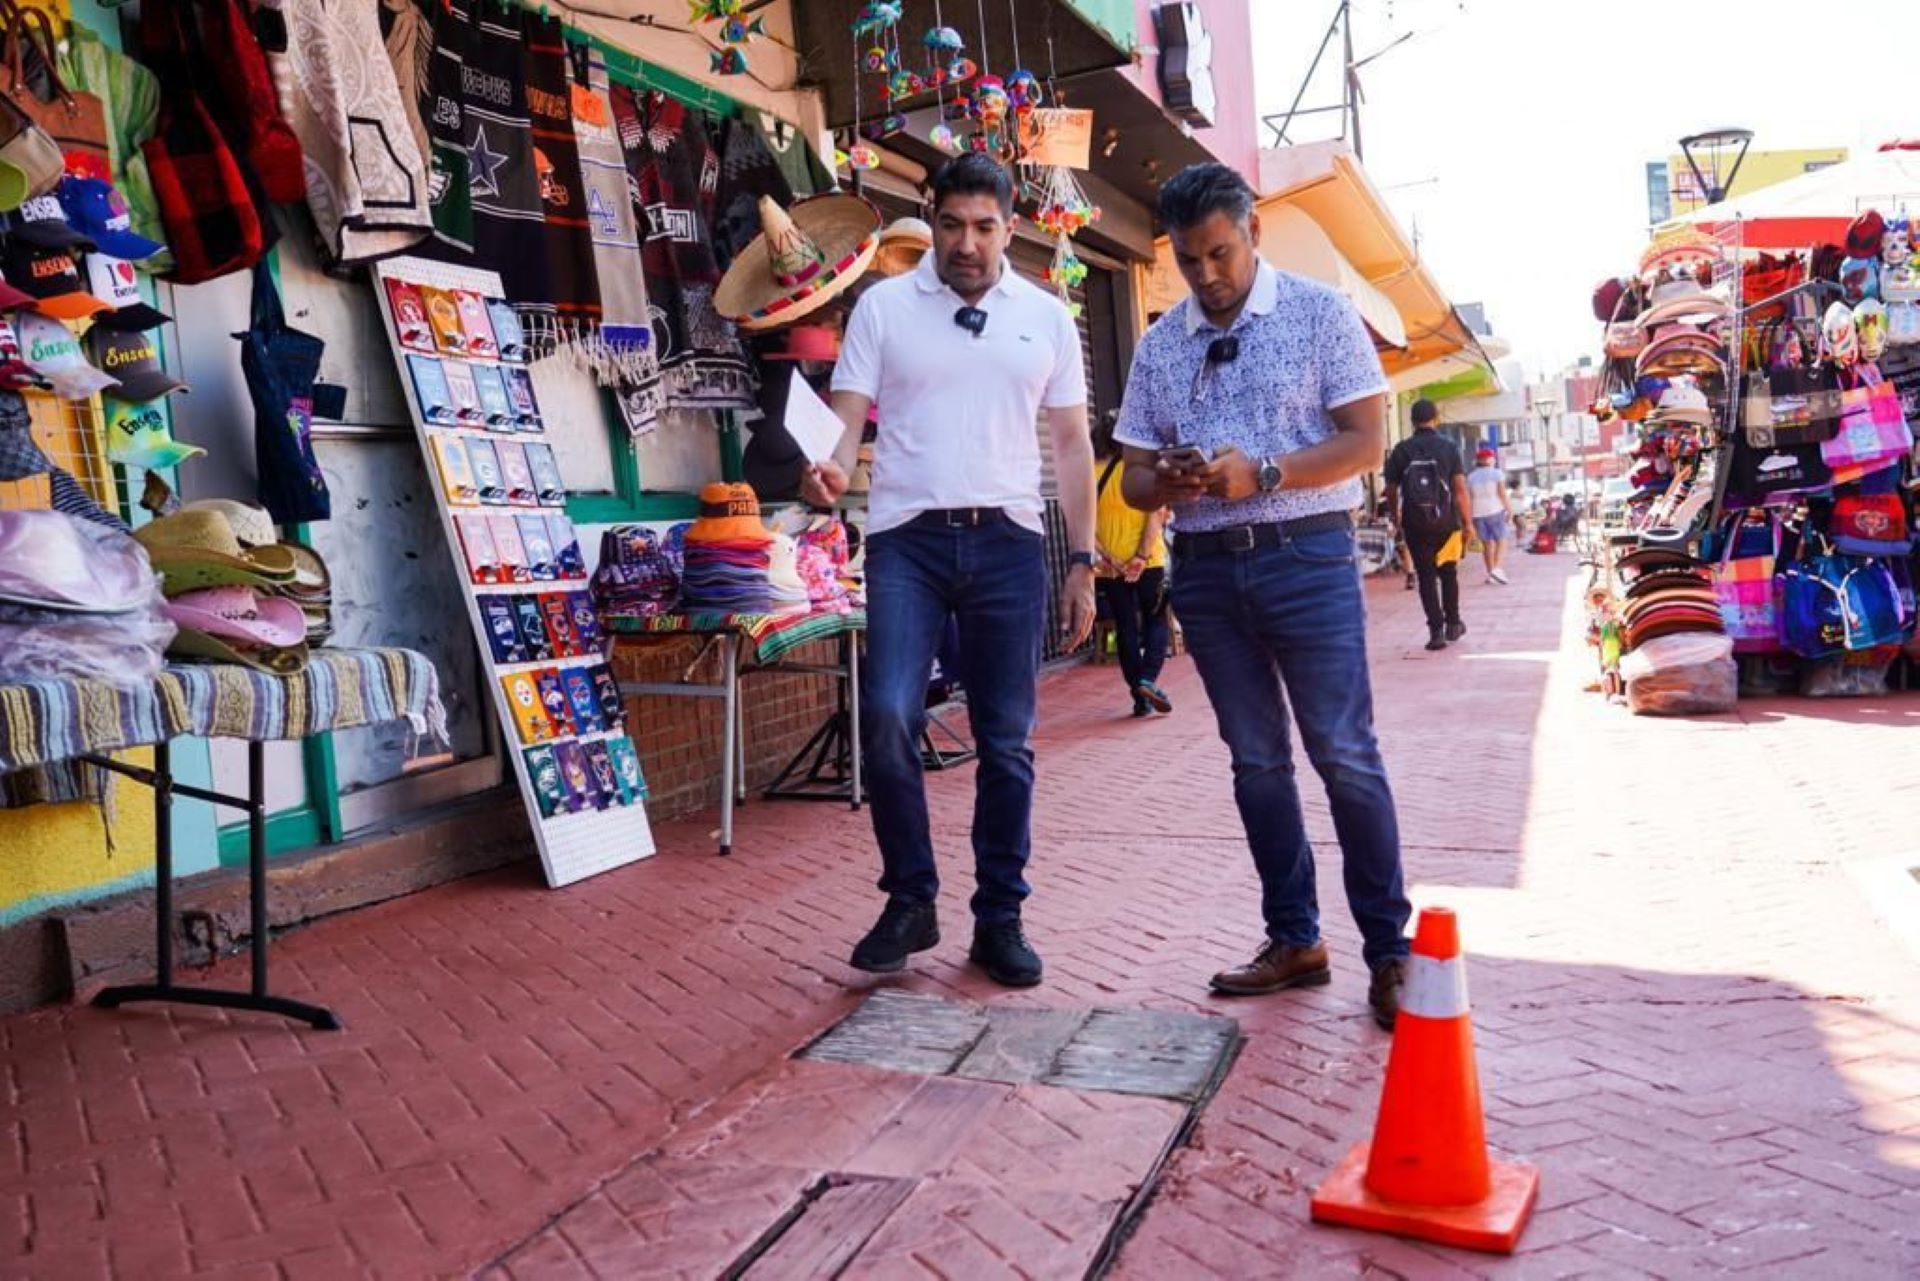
(1252, 410)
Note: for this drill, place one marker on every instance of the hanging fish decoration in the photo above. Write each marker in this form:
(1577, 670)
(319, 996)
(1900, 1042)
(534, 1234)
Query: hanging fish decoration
(877, 15)
(942, 136)
(863, 157)
(961, 70)
(877, 61)
(715, 10)
(941, 40)
(880, 130)
(729, 62)
(739, 30)
(905, 84)
(990, 101)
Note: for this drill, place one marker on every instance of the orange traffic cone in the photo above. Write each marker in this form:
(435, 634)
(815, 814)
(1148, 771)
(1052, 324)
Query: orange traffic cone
(1427, 1173)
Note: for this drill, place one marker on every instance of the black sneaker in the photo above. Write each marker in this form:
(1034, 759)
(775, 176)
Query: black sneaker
(1140, 707)
(1155, 697)
(1001, 949)
(1455, 630)
(903, 929)
(1436, 639)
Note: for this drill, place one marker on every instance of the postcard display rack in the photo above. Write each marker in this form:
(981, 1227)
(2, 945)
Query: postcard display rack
(462, 361)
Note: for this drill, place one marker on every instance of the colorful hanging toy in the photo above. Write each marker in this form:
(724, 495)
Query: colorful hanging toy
(876, 16)
(734, 32)
(1024, 92)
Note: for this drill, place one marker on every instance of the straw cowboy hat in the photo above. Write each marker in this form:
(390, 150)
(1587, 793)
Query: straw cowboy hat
(902, 245)
(195, 549)
(803, 258)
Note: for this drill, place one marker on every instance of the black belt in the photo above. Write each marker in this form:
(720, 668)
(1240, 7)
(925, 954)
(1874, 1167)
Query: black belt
(1244, 538)
(959, 517)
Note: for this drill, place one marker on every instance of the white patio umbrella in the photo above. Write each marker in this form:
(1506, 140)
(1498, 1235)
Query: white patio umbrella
(1815, 208)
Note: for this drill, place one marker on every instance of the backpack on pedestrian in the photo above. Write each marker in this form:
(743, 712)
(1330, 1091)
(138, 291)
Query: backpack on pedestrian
(1427, 501)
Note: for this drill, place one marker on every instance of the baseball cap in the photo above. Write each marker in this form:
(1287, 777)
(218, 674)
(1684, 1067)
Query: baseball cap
(15, 374)
(134, 360)
(113, 280)
(51, 277)
(54, 353)
(98, 211)
(12, 299)
(138, 436)
(41, 221)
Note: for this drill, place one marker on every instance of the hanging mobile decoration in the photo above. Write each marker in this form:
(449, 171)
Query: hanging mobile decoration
(947, 64)
(878, 21)
(735, 31)
(1024, 93)
(1067, 274)
(1064, 211)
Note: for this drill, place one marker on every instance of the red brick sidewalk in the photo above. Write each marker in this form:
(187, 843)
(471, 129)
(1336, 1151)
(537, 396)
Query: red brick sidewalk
(1687, 1014)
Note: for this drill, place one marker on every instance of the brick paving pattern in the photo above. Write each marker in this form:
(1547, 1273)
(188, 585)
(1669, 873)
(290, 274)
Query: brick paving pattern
(1687, 1011)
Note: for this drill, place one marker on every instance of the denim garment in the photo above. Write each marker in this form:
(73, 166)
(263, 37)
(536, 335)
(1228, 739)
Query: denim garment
(991, 579)
(1287, 625)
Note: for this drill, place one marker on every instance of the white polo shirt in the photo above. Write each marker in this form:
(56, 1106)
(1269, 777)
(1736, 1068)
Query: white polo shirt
(958, 414)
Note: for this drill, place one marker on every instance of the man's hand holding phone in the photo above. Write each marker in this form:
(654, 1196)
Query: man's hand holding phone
(1183, 474)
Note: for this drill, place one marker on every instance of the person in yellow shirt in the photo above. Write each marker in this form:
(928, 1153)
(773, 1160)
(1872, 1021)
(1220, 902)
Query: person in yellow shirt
(1131, 569)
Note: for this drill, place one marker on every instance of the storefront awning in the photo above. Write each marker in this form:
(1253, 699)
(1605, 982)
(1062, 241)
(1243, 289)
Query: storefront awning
(1293, 242)
(1326, 182)
(1469, 372)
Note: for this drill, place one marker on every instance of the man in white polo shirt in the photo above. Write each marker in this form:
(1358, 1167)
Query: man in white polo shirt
(960, 356)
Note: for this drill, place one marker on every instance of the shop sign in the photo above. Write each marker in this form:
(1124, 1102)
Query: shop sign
(1058, 136)
(1186, 63)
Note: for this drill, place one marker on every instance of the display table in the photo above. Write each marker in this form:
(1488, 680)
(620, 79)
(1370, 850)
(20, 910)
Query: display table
(45, 722)
(772, 637)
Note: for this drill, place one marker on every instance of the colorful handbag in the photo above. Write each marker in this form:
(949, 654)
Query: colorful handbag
(1792, 406)
(281, 365)
(1744, 589)
(1873, 431)
(77, 122)
(1831, 604)
(213, 224)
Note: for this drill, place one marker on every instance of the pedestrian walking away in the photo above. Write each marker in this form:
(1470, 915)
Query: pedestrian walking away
(958, 357)
(1427, 492)
(1132, 569)
(1492, 513)
(1252, 410)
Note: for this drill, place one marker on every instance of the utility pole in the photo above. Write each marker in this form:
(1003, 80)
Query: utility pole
(1352, 78)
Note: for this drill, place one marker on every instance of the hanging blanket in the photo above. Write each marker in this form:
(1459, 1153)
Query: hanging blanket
(748, 171)
(676, 178)
(572, 288)
(425, 41)
(625, 349)
(509, 230)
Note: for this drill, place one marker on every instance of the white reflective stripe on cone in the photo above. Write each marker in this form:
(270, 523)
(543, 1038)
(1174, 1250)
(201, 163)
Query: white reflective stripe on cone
(1435, 989)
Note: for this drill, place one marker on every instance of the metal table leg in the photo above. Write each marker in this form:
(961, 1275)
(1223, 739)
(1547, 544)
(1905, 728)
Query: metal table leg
(853, 716)
(160, 779)
(729, 763)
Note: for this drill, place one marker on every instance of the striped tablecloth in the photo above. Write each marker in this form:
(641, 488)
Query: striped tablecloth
(774, 635)
(42, 722)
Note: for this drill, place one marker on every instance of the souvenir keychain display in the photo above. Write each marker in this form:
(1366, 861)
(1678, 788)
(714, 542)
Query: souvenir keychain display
(463, 357)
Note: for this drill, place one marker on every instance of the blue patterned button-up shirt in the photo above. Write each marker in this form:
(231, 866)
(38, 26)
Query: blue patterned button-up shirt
(1304, 352)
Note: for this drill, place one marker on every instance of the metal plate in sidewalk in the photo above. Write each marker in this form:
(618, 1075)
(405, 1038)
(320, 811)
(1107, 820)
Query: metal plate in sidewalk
(1168, 1056)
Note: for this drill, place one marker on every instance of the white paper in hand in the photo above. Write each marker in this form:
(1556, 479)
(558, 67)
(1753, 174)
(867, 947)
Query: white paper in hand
(811, 422)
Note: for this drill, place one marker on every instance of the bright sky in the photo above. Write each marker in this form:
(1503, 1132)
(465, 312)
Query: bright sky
(1514, 134)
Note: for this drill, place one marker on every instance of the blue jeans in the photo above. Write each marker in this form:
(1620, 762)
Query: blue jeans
(1288, 624)
(991, 579)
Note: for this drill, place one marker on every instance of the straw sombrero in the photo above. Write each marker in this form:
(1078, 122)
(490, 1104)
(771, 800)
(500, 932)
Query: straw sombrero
(195, 549)
(902, 245)
(803, 258)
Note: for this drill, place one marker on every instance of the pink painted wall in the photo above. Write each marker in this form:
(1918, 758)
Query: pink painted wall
(1235, 136)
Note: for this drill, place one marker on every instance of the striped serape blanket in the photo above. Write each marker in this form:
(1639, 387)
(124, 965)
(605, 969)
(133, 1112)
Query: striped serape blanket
(774, 636)
(43, 722)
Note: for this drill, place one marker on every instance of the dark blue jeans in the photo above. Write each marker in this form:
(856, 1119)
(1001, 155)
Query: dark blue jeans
(991, 579)
(1287, 624)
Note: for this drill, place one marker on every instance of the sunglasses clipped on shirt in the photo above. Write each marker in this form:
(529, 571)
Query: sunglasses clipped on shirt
(1221, 351)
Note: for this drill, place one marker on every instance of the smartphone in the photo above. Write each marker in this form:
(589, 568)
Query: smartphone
(1183, 458)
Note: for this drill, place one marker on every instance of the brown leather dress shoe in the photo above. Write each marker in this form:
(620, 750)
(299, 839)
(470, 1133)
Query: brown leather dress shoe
(1274, 968)
(1383, 994)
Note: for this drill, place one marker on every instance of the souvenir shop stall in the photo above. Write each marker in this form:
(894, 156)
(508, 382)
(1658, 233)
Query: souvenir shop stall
(1768, 545)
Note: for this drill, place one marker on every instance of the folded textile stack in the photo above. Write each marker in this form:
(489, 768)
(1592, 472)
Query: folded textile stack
(1668, 593)
(246, 600)
(78, 601)
(636, 579)
(822, 561)
(728, 557)
(787, 592)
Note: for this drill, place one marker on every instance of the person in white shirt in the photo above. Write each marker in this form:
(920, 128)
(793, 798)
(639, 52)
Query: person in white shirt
(959, 356)
(1492, 512)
